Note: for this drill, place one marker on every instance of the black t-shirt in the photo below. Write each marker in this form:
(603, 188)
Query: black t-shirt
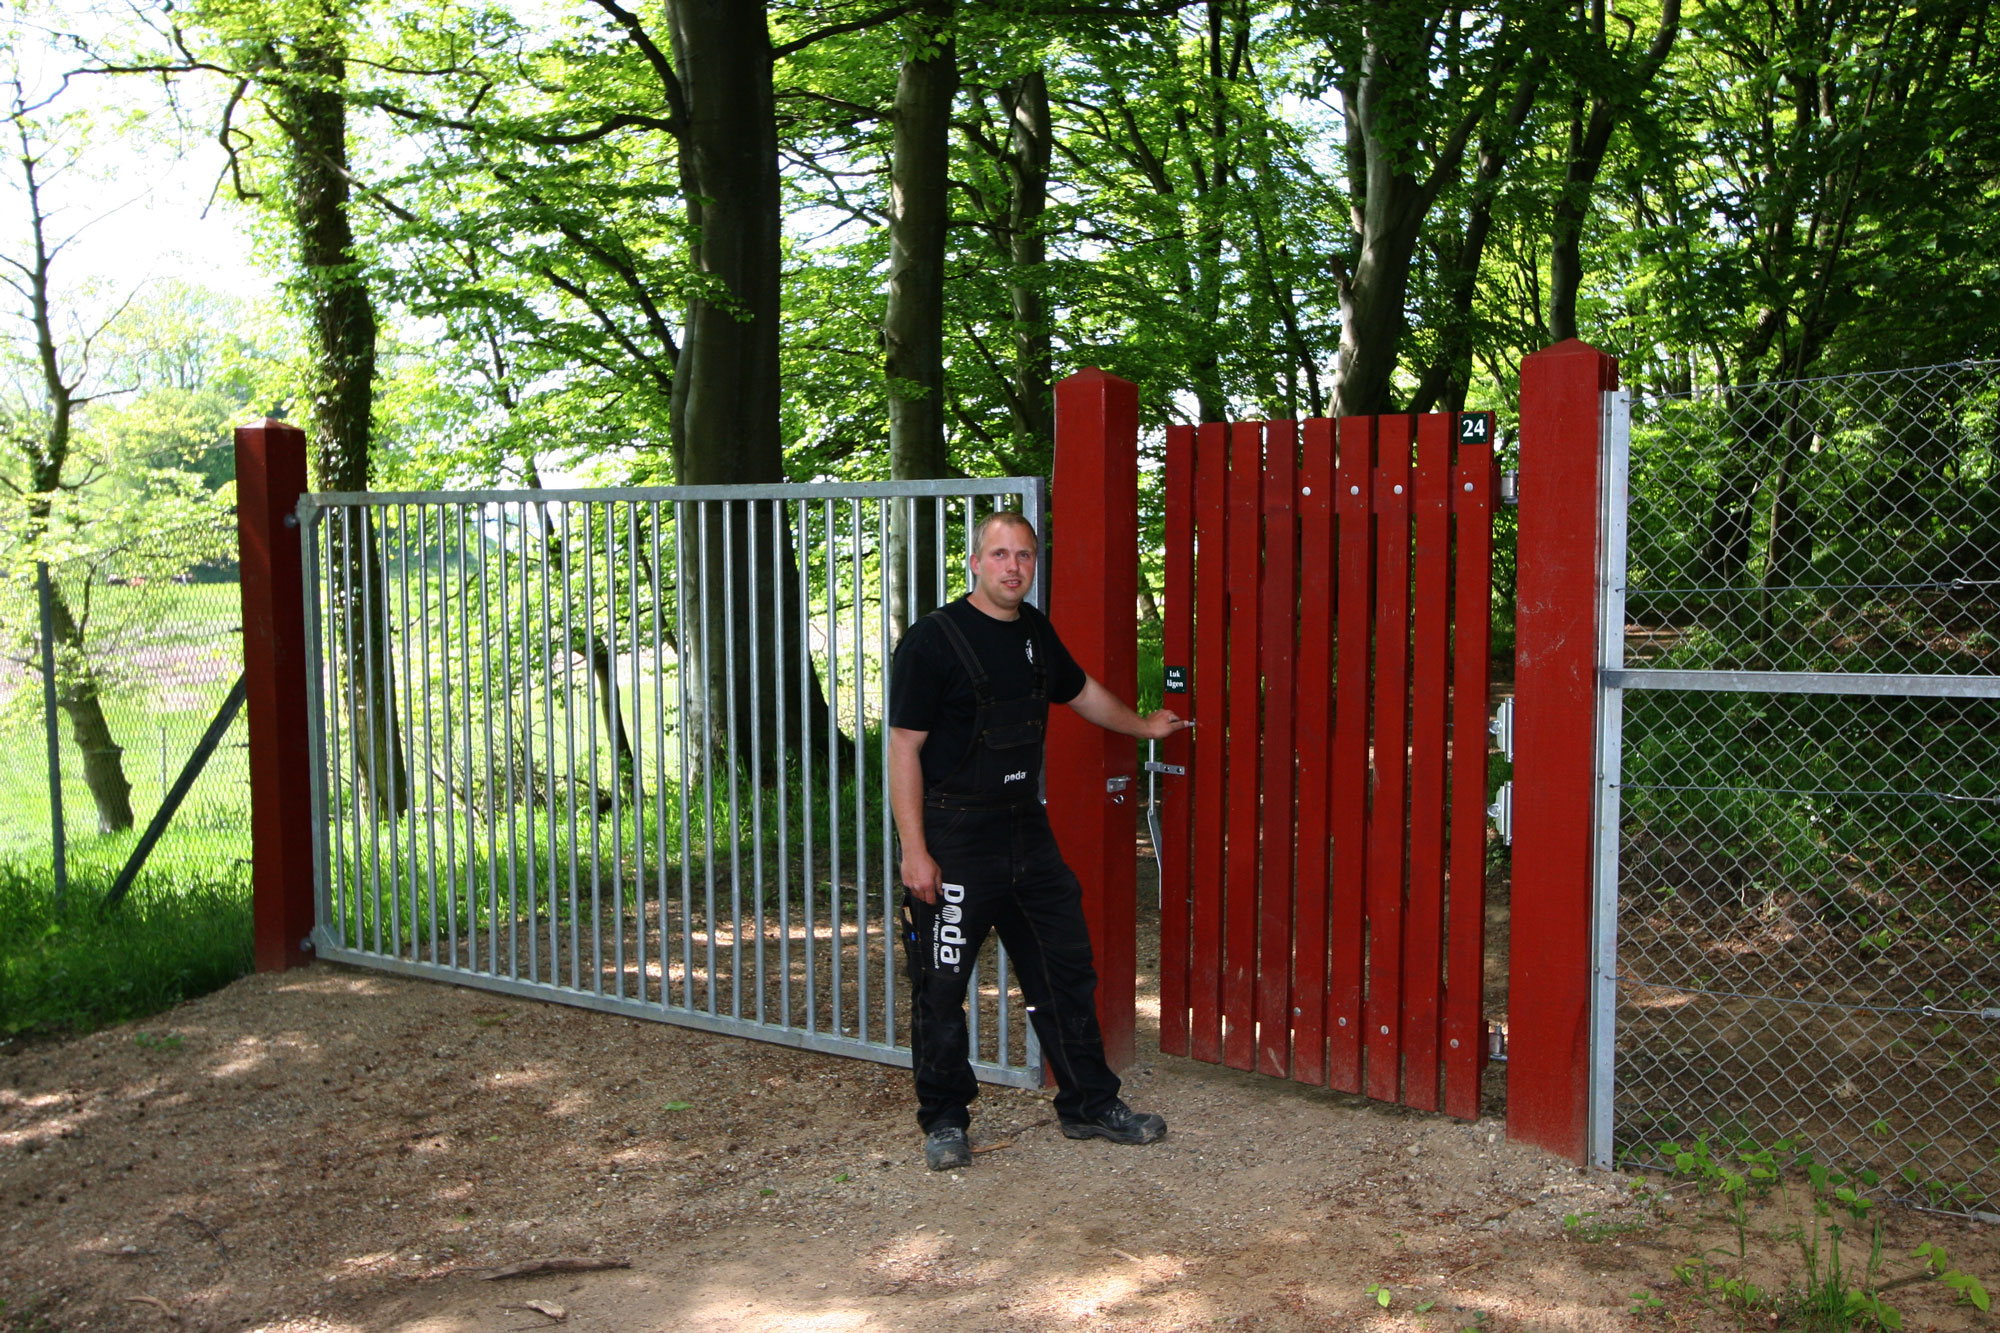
(930, 691)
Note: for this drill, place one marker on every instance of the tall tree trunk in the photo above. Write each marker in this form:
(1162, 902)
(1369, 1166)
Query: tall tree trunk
(77, 695)
(726, 384)
(341, 329)
(1388, 103)
(46, 453)
(1593, 119)
(1032, 406)
(913, 326)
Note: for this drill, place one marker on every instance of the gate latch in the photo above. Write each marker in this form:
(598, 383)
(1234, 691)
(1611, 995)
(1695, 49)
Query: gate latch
(1117, 787)
(1171, 770)
(1502, 727)
(1501, 812)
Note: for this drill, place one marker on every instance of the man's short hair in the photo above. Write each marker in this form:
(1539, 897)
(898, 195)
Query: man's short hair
(1010, 517)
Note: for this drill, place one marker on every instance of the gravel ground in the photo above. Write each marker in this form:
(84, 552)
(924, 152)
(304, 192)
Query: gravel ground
(333, 1150)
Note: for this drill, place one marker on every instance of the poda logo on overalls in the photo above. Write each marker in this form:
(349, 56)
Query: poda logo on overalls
(950, 939)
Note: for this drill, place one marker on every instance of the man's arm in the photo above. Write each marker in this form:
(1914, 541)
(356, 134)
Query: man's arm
(1099, 705)
(920, 874)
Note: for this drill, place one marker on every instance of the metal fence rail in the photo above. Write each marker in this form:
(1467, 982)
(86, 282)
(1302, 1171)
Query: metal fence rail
(1802, 770)
(626, 748)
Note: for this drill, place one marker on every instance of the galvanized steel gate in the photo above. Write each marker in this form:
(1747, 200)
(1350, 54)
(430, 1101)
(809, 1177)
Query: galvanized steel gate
(1323, 896)
(1798, 823)
(518, 786)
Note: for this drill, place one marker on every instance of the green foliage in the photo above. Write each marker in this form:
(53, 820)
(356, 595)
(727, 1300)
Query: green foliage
(72, 970)
(1831, 1290)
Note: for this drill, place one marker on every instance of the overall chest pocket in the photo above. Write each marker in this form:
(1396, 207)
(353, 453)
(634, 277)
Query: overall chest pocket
(1012, 735)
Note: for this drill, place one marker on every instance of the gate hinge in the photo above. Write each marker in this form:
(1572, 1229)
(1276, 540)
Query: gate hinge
(1501, 812)
(1510, 488)
(1496, 1042)
(1502, 727)
(1171, 770)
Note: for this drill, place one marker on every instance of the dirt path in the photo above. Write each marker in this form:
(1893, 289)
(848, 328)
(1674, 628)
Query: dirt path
(332, 1150)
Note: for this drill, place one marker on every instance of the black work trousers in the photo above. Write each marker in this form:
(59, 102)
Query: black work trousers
(1002, 871)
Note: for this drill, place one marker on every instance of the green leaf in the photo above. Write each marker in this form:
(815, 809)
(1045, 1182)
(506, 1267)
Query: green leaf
(678, 1106)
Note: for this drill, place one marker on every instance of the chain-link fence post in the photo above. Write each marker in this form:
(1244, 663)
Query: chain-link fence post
(48, 618)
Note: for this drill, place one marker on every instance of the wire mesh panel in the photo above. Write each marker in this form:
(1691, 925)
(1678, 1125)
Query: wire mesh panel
(146, 643)
(628, 749)
(1808, 777)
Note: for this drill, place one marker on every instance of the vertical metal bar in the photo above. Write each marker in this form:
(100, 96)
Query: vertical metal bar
(545, 629)
(806, 794)
(569, 741)
(1034, 504)
(524, 800)
(707, 750)
(375, 757)
(486, 711)
(637, 708)
(397, 799)
(729, 772)
(756, 757)
(887, 845)
(662, 951)
(444, 712)
(325, 794)
(1616, 434)
(681, 730)
(507, 753)
(50, 734)
(860, 780)
(430, 767)
(409, 709)
(590, 751)
(342, 797)
(614, 727)
(780, 523)
(466, 693)
(833, 760)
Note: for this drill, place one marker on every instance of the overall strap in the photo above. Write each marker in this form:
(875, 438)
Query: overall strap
(982, 688)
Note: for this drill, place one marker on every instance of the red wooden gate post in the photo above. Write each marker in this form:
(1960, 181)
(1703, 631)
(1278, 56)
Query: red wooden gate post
(1094, 588)
(270, 477)
(1555, 693)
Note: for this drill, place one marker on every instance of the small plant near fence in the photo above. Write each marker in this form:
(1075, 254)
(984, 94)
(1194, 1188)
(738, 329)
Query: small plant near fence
(1843, 1273)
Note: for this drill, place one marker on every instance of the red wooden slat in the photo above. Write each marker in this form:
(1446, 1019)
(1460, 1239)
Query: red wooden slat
(1280, 620)
(1423, 921)
(1354, 504)
(1382, 1012)
(1239, 945)
(1177, 793)
(1473, 485)
(1313, 740)
(1211, 626)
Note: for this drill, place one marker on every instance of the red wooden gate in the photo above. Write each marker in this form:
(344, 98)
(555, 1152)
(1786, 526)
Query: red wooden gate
(1324, 828)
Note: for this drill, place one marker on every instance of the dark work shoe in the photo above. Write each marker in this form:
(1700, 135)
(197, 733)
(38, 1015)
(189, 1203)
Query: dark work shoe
(1119, 1123)
(946, 1149)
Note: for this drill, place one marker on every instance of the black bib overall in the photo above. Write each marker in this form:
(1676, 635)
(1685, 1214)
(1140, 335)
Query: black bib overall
(985, 826)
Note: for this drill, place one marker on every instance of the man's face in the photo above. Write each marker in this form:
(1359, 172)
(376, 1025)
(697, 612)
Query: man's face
(1004, 569)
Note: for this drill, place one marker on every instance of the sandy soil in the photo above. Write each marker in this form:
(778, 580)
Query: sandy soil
(332, 1150)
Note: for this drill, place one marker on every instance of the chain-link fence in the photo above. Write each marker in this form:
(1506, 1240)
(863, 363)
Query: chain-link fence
(1809, 852)
(146, 642)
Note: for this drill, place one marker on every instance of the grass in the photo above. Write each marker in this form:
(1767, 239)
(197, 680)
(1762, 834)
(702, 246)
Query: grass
(70, 970)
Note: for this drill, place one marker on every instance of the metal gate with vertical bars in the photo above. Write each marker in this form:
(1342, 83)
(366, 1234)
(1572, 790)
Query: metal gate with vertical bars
(1323, 868)
(518, 784)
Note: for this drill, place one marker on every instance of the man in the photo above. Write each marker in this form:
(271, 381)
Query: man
(968, 711)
